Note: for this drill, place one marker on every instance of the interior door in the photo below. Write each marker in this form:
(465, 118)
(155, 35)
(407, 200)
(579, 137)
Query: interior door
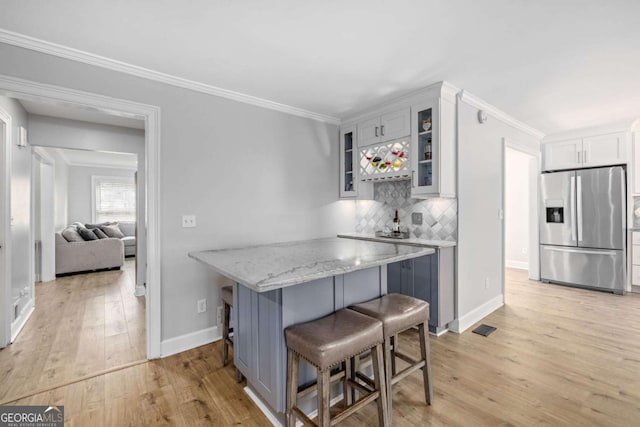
(557, 209)
(601, 205)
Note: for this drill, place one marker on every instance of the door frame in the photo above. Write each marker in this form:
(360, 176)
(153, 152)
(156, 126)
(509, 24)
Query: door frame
(5, 224)
(39, 156)
(534, 181)
(35, 91)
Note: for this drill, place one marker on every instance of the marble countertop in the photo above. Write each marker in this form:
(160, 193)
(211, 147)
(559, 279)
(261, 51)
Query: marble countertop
(266, 267)
(410, 242)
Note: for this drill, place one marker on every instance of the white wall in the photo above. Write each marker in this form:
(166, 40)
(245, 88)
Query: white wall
(80, 189)
(517, 209)
(480, 247)
(250, 175)
(21, 250)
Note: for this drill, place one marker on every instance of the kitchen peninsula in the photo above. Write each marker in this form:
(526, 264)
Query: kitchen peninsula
(282, 284)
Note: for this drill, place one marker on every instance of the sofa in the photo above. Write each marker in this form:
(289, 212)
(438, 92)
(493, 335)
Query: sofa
(74, 257)
(75, 254)
(128, 228)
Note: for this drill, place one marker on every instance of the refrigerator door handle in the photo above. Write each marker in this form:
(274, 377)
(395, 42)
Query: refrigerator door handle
(578, 251)
(572, 195)
(579, 203)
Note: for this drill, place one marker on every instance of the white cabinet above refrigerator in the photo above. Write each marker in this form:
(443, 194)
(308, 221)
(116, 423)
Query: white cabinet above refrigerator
(589, 151)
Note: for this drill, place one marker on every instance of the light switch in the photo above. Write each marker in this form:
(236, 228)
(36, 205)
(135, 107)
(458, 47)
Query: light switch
(188, 221)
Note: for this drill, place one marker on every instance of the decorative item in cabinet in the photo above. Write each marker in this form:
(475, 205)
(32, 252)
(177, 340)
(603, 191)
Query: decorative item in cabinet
(425, 148)
(385, 161)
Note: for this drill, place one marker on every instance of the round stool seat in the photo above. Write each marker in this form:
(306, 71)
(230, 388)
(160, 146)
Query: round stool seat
(396, 312)
(226, 293)
(330, 340)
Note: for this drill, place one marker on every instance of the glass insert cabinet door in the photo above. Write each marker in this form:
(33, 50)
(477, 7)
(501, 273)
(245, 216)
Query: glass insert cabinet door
(424, 173)
(347, 157)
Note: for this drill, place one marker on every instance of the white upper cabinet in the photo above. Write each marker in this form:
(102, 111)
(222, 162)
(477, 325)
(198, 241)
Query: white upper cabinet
(389, 126)
(563, 154)
(369, 132)
(603, 150)
(395, 125)
(600, 150)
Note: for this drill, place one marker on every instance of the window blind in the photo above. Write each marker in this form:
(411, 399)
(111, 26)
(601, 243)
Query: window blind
(115, 199)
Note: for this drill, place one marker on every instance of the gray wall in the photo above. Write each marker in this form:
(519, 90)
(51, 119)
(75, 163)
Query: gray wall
(251, 175)
(80, 189)
(480, 248)
(21, 250)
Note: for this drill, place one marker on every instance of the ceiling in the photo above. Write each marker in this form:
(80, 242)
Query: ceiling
(97, 159)
(72, 112)
(555, 65)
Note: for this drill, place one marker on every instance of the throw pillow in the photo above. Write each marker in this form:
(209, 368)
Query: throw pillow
(99, 233)
(71, 234)
(87, 234)
(112, 231)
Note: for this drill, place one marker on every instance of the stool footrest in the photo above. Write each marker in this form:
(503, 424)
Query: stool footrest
(361, 388)
(406, 372)
(405, 358)
(365, 379)
(305, 390)
(303, 417)
(355, 407)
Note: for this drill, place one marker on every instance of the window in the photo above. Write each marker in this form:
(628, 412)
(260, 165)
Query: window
(114, 198)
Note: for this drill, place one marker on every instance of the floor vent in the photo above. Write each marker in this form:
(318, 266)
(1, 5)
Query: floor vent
(484, 330)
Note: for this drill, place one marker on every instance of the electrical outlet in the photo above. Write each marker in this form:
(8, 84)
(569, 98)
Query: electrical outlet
(524, 251)
(188, 221)
(416, 218)
(486, 283)
(202, 305)
(219, 315)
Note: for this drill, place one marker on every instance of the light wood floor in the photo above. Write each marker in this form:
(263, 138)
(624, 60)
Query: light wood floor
(82, 324)
(561, 356)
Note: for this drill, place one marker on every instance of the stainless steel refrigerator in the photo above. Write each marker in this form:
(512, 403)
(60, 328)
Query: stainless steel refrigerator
(582, 228)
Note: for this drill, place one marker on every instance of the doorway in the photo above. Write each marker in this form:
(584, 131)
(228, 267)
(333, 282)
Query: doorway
(521, 169)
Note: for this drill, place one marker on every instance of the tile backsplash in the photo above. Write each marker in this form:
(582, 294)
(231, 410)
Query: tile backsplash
(439, 216)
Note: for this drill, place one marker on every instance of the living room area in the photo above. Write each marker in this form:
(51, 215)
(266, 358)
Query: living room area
(80, 310)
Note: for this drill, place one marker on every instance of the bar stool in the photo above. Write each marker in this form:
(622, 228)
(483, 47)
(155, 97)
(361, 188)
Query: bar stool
(226, 293)
(397, 314)
(327, 343)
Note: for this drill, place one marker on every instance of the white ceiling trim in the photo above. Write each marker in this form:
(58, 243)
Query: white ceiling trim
(101, 166)
(32, 43)
(474, 101)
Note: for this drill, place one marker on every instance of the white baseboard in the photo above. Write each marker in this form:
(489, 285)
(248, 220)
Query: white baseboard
(520, 265)
(463, 323)
(264, 408)
(140, 291)
(18, 324)
(188, 341)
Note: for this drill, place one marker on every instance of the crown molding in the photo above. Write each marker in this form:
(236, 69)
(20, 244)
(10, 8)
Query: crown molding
(474, 101)
(621, 126)
(54, 49)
